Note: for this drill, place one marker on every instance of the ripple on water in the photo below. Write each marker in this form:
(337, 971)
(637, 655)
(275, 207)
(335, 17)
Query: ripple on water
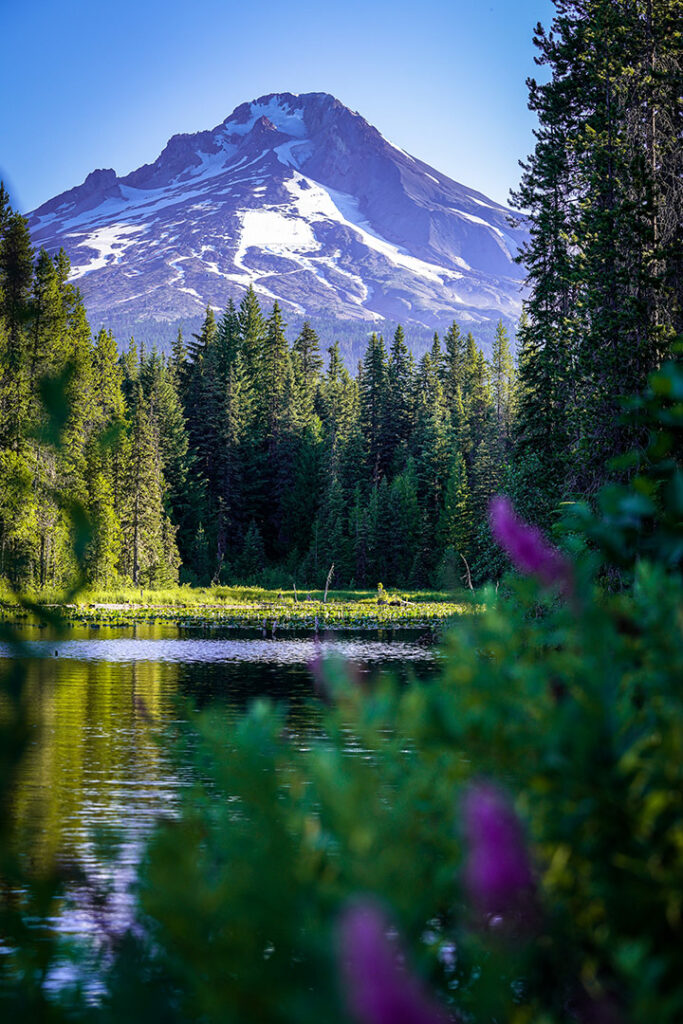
(274, 652)
(101, 769)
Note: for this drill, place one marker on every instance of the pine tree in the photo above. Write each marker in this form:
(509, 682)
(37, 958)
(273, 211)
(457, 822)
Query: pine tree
(103, 551)
(404, 517)
(307, 350)
(167, 421)
(48, 328)
(373, 407)
(482, 459)
(400, 414)
(438, 357)
(105, 452)
(177, 365)
(300, 503)
(535, 466)
(339, 405)
(228, 342)
(432, 444)
(108, 378)
(599, 189)
(18, 520)
(130, 365)
(253, 559)
(332, 541)
(274, 381)
(358, 533)
(252, 331)
(456, 525)
(202, 342)
(16, 276)
(306, 367)
(202, 408)
(148, 554)
(502, 386)
(453, 364)
(5, 208)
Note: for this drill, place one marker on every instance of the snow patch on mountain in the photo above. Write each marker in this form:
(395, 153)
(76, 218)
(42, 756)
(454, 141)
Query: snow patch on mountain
(480, 220)
(317, 203)
(274, 109)
(274, 232)
(108, 242)
(291, 153)
(300, 197)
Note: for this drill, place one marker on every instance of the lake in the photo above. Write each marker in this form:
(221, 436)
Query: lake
(102, 766)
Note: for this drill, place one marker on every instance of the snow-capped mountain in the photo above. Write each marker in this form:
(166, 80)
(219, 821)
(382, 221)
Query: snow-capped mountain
(300, 197)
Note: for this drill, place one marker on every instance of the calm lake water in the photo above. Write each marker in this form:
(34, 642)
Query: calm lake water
(100, 764)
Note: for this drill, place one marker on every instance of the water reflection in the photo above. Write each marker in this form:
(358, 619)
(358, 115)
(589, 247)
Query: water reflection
(278, 652)
(101, 763)
(95, 763)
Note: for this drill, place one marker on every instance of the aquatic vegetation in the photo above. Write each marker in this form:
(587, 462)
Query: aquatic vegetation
(207, 607)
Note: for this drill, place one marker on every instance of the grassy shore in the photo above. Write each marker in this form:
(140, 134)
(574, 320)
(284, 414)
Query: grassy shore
(243, 606)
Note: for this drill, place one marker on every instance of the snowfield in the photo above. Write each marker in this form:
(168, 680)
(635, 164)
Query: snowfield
(304, 200)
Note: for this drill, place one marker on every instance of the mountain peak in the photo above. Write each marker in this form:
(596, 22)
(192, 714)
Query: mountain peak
(283, 110)
(300, 197)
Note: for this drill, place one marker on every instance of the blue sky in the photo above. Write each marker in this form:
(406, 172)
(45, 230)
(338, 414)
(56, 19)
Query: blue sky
(90, 84)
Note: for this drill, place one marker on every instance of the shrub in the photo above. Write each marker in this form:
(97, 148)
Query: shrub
(519, 817)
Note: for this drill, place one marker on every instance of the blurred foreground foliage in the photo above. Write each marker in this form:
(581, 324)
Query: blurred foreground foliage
(572, 707)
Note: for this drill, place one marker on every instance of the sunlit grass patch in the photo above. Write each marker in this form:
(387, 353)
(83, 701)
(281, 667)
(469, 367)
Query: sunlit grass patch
(249, 605)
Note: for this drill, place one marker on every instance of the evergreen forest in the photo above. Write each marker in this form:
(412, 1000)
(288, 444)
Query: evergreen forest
(240, 457)
(498, 843)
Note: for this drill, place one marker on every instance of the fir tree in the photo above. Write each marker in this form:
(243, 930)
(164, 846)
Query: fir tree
(306, 366)
(453, 364)
(456, 524)
(16, 277)
(400, 414)
(373, 407)
(502, 385)
(252, 331)
(148, 555)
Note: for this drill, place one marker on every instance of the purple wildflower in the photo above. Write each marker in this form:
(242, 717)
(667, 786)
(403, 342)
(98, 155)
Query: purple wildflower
(379, 990)
(528, 549)
(497, 872)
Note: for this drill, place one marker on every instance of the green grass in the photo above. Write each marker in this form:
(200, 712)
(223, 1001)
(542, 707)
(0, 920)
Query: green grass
(244, 605)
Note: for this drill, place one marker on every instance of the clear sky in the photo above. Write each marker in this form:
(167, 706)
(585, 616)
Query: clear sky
(88, 83)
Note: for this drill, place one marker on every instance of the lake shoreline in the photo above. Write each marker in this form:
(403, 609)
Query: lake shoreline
(260, 610)
(266, 619)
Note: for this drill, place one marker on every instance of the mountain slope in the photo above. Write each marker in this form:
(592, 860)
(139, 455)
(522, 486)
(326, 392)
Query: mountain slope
(303, 199)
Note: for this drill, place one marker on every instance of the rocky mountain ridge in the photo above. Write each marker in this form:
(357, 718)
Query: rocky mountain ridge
(300, 197)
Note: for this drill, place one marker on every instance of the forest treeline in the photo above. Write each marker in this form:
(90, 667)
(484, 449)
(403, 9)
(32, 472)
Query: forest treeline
(239, 457)
(539, 878)
(242, 458)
